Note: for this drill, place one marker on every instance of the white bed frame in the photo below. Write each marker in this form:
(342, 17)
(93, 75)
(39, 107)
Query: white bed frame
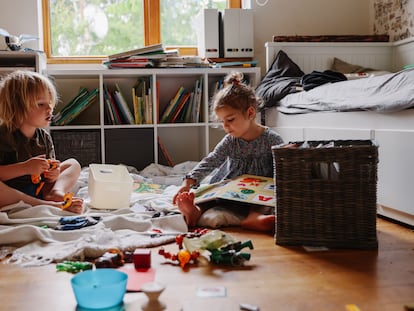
(394, 132)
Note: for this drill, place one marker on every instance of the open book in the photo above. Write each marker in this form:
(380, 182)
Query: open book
(249, 189)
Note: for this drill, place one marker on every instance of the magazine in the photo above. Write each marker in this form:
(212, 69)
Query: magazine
(250, 189)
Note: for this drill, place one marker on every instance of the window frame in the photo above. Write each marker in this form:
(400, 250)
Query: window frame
(152, 31)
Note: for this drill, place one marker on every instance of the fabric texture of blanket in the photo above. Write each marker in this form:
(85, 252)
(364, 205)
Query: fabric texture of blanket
(28, 236)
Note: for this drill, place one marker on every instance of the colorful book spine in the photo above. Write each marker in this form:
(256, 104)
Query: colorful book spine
(171, 105)
(123, 106)
(111, 101)
(83, 105)
(77, 100)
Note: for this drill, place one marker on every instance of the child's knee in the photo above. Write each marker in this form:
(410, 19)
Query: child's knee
(72, 163)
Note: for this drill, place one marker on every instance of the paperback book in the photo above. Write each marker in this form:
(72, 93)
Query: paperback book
(250, 189)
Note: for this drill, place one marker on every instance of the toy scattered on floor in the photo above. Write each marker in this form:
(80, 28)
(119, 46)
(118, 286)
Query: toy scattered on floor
(113, 258)
(142, 258)
(221, 246)
(76, 222)
(231, 254)
(74, 266)
(183, 256)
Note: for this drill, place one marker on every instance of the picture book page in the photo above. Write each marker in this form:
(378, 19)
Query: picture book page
(250, 189)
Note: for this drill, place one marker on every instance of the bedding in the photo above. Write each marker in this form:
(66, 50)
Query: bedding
(39, 235)
(28, 234)
(282, 87)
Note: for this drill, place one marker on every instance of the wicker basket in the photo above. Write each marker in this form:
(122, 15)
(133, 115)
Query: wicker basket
(327, 196)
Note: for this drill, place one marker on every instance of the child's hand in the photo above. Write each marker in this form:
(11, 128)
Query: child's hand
(37, 165)
(53, 172)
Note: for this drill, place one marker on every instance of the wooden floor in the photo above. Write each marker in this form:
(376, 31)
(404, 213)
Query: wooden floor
(275, 278)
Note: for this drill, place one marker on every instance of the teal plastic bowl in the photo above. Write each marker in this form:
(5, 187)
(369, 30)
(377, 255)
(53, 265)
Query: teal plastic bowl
(100, 288)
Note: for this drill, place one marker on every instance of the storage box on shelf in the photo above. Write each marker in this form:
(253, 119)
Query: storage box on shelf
(326, 194)
(137, 144)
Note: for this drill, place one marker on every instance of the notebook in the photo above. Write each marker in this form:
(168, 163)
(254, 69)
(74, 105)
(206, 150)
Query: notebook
(250, 189)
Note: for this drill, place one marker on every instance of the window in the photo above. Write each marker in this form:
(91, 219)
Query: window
(92, 29)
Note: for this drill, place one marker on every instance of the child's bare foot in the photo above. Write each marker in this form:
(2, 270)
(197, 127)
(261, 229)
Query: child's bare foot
(259, 222)
(75, 206)
(191, 212)
(54, 195)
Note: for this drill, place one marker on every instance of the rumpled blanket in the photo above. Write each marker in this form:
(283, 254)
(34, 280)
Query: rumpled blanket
(28, 237)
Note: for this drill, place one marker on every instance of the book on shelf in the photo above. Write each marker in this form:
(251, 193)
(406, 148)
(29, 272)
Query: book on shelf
(171, 105)
(143, 50)
(142, 101)
(244, 64)
(110, 102)
(109, 117)
(184, 101)
(83, 92)
(76, 106)
(244, 189)
(165, 157)
(123, 105)
(130, 64)
(197, 101)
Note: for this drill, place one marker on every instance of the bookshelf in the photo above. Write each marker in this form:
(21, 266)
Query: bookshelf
(92, 137)
(15, 60)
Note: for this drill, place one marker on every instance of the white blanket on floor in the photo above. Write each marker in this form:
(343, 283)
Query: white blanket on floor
(23, 236)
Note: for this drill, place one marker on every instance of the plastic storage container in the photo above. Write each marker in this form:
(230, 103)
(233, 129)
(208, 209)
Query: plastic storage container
(109, 186)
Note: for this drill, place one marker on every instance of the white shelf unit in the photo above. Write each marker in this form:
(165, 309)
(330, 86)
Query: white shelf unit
(19, 60)
(89, 139)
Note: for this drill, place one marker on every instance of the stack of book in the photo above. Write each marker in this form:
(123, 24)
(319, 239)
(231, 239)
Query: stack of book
(183, 62)
(185, 106)
(76, 106)
(119, 111)
(232, 62)
(145, 57)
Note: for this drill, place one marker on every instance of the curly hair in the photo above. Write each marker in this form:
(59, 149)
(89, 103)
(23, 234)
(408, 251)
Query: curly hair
(19, 91)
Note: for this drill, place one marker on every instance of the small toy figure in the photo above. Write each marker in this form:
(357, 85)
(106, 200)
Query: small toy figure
(184, 257)
(222, 248)
(74, 266)
(113, 258)
(231, 254)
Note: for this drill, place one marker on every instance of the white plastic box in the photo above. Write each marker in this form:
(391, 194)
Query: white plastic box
(109, 186)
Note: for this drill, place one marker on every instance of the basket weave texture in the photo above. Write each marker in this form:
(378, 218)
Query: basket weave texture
(327, 196)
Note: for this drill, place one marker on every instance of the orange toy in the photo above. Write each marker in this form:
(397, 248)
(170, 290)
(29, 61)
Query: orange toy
(39, 178)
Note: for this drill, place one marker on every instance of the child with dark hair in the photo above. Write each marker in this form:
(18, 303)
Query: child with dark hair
(29, 171)
(245, 149)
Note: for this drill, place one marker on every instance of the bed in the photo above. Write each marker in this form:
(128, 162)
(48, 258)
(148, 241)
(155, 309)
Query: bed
(392, 126)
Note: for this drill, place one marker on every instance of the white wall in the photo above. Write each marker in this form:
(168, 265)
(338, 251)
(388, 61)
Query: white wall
(277, 17)
(22, 17)
(308, 17)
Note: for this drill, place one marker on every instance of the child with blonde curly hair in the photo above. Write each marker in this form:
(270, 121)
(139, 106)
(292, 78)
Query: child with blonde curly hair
(29, 171)
(245, 149)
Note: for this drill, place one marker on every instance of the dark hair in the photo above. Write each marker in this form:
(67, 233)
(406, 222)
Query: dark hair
(235, 94)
